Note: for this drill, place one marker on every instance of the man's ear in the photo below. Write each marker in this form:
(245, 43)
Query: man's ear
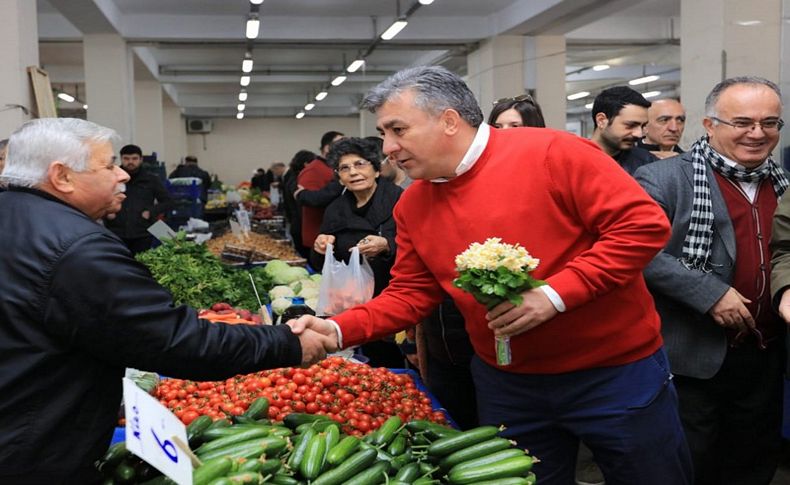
(708, 124)
(450, 120)
(60, 177)
(601, 120)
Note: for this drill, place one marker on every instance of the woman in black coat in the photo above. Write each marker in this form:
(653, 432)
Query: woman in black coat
(362, 217)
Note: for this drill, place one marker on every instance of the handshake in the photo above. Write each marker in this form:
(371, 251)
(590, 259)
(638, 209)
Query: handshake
(317, 336)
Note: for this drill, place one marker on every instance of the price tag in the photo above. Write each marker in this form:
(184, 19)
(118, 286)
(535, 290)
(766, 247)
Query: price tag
(154, 433)
(244, 219)
(161, 231)
(235, 228)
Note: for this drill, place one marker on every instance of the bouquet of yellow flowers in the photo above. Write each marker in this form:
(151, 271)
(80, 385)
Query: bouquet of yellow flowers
(494, 272)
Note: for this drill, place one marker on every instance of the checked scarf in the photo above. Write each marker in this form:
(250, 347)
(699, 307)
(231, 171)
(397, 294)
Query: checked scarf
(696, 246)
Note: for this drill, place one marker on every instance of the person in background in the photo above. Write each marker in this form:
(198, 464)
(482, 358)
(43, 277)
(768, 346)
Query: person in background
(362, 217)
(315, 176)
(666, 119)
(516, 112)
(258, 179)
(587, 355)
(619, 115)
(77, 309)
(190, 168)
(146, 199)
(3, 150)
(291, 208)
(726, 346)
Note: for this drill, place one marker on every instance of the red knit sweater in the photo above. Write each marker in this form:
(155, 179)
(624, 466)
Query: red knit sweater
(314, 176)
(569, 204)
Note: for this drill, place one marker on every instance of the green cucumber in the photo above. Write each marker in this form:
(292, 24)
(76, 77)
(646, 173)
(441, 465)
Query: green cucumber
(242, 419)
(445, 446)
(294, 420)
(425, 481)
(313, 457)
(398, 445)
(244, 434)
(510, 467)
(246, 477)
(258, 409)
(197, 427)
(124, 473)
(271, 446)
(115, 454)
(408, 473)
(372, 476)
(435, 429)
(212, 434)
(475, 451)
(342, 450)
(350, 467)
(508, 481)
(402, 460)
(489, 459)
(297, 455)
(320, 425)
(282, 479)
(221, 481)
(211, 469)
(220, 423)
(386, 432)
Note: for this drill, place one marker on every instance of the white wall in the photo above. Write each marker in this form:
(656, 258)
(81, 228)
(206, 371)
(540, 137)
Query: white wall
(174, 132)
(235, 148)
(149, 122)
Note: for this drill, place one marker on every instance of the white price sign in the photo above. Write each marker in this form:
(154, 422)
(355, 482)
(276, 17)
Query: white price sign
(153, 433)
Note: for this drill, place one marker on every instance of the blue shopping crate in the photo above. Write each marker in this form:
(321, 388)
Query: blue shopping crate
(191, 191)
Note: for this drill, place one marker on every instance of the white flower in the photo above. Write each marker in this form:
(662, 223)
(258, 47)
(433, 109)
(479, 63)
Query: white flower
(492, 254)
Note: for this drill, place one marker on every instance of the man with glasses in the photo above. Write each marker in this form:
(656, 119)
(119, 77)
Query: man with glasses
(725, 344)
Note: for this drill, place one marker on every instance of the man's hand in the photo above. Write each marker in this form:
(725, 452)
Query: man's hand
(310, 323)
(146, 215)
(315, 346)
(507, 320)
(321, 241)
(731, 312)
(784, 306)
(299, 188)
(373, 245)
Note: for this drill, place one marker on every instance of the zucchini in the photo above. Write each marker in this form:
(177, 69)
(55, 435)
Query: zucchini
(297, 454)
(489, 459)
(372, 476)
(197, 427)
(342, 450)
(313, 459)
(258, 409)
(510, 467)
(386, 432)
(294, 420)
(210, 470)
(243, 434)
(408, 473)
(445, 446)
(271, 446)
(475, 451)
(355, 464)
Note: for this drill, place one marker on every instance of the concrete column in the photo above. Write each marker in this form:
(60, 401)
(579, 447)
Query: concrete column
(109, 83)
(174, 134)
(721, 39)
(509, 65)
(149, 125)
(18, 50)
(367, 124)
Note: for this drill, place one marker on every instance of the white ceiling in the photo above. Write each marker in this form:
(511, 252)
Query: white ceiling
(195, 47)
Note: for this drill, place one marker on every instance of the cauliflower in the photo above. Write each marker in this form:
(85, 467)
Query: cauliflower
(308, 292)
(279, 305)
(281, 291)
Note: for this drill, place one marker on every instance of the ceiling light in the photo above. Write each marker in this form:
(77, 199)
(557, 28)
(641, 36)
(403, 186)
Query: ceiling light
(601, 67)
(241, 107)
(239, 115)
(394, 29)
(588, 106)
(426, 2)
(338, 80)
(579, 95)
(246, 64)
(300, 115)
(85, 107)
(253, 27)
(643, 80)
(245, 80)
(354, 66)
(651, 94)
(256, 2)
(749, 23)
(320, 96)
(309, 106)
(243, 96)
(66, 97)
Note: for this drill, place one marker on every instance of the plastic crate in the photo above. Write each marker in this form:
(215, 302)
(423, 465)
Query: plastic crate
(192, 191)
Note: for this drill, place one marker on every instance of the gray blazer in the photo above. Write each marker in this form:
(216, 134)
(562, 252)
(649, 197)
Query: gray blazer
(696, 345)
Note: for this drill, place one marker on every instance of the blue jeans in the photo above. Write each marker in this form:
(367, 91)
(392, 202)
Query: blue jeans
(627, 415)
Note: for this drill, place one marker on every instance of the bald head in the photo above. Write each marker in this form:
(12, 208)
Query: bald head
(666, 119)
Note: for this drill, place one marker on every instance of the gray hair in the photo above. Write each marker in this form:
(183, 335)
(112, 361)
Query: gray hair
(38, 143)
(713, 97)
(436, 89)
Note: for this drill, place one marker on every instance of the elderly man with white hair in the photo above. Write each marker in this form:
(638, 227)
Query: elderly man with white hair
(76, 309)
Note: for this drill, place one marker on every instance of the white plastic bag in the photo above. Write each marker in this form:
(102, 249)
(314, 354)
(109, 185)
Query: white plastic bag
(343, 285)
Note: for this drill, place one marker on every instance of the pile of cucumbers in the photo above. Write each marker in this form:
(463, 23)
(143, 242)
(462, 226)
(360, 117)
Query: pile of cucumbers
(310, 449)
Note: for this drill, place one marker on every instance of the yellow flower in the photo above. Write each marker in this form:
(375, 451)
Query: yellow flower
(492, 254)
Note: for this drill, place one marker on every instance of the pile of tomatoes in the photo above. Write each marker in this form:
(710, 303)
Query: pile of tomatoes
(357, 396)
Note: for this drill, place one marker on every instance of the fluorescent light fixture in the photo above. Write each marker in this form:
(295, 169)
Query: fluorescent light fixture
(241, 106)
(253, 27)
(588, 106)
(394, 29)
(643, 80)
(309, 106)
(239, 115)
(243, 96)
(66, 97)
(320, 96)
(749, 23)
(85, 107)
(601, 67)
(651, 94)
(338, 80)
(300, 115)
(245, 80)
(256, 2)
(579, 95)
(354, 66)
(426, 2)
(246, 64)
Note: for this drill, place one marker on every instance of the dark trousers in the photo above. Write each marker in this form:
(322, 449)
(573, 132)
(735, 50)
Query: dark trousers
(453, 387)
(733, 420)
(627, 415)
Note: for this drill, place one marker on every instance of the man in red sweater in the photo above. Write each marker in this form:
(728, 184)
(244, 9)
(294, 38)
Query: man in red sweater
(588, 361)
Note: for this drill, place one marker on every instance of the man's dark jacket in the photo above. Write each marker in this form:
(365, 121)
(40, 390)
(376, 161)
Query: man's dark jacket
(193, 170)
(144, 192)
(75, 310)
(634, 158)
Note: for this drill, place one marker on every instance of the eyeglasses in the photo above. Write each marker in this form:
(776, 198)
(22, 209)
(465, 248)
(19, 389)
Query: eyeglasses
(358, 165)
(516, 99)
(749, 125)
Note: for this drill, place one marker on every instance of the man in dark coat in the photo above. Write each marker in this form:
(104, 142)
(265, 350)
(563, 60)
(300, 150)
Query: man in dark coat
(190, 168)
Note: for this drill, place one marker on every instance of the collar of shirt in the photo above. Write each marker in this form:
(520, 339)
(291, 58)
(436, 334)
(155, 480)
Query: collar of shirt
(749, 188)
(472, 154)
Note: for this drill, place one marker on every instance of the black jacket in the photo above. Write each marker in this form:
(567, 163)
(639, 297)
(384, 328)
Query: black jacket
(321, 197)
(193, 170)
(75, 310)
(349, 228)
(144, 192)
(634, 158)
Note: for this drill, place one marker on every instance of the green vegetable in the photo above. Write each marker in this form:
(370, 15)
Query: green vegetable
(511, 467)
(475, 451)
(445, 446)
(490, 459)
(342, 450)
(313, 459)
(211, 469)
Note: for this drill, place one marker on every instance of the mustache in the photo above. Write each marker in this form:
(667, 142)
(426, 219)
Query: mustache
(120, 189)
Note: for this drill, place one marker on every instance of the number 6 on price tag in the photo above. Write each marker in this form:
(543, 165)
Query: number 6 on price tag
(151, 433)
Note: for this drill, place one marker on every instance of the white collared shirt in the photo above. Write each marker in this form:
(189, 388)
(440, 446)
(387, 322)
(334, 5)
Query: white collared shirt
(472, 154)
(749, 188)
